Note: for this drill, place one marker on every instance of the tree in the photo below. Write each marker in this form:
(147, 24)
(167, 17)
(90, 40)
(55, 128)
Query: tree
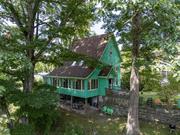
(34, 31)
(37, 30)
(141, 25)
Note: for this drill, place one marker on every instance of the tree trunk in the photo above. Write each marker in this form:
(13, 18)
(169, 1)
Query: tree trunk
(29, 80)
(4, 107)
(27, 87)
(133, 120)
(28, 83)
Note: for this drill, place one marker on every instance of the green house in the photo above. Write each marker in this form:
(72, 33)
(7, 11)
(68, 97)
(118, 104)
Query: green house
(78, 81)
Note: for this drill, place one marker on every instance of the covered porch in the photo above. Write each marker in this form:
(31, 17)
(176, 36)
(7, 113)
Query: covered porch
(83, 88)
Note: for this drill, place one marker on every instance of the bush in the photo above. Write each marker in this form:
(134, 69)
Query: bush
(39, 106)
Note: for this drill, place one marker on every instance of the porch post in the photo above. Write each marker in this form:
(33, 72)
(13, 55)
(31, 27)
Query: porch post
(71, 101)
(81, 85)
(97, 101)
(86, 104)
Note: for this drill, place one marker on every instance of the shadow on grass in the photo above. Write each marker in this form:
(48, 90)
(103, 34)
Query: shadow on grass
(102, 125)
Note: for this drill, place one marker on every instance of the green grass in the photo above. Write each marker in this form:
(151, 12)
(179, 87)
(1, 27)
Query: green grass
(177, 97)
(104, 125)
(155, 95)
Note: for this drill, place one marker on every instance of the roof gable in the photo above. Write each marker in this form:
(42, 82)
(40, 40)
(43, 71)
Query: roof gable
(111, 54)
(93, 47)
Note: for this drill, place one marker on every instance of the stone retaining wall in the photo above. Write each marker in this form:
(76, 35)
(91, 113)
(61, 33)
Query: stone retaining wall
(120, 105)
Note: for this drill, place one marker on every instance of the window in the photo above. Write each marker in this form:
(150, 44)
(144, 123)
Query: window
(60, 82)
(115, 81)
(46, 80)
(54, 81)
(72, 84)
(65, 83)
(69, 83)
(93, 84)
(110, 52)
(78, 84)
(116, 68)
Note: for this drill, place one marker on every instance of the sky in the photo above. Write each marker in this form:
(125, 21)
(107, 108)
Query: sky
(97, 28)
(98, 31)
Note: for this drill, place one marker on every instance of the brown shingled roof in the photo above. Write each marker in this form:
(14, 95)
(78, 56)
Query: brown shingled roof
(93, 46)
(69, 69)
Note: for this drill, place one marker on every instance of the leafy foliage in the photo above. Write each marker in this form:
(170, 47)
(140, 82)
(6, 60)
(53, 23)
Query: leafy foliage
(40, 106)
(21, 129)
(41, 67)
(142, 26)
(159, 27)
(6, 84)
(38, 31)
(168, 91)
(74, 129)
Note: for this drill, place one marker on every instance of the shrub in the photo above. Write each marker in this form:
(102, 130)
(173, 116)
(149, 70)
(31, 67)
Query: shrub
(39, 106)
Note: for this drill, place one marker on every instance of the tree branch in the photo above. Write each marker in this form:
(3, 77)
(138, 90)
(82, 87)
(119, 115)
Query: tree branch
(43, 49)
(15, 15)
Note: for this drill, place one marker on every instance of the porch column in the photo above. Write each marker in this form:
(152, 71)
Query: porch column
(86, 104)
(85, 88)
(97, 101)
(71, 101)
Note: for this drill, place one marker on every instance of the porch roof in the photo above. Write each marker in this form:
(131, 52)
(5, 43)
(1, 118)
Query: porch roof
(72, 69)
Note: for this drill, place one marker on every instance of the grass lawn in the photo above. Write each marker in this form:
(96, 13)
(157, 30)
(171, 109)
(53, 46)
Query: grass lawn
(103, 125)
(178, 96)
(155, 95)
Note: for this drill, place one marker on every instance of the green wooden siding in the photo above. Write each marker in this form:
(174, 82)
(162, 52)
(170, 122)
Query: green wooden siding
(110, 56)
(103, 85)
(72, 92)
